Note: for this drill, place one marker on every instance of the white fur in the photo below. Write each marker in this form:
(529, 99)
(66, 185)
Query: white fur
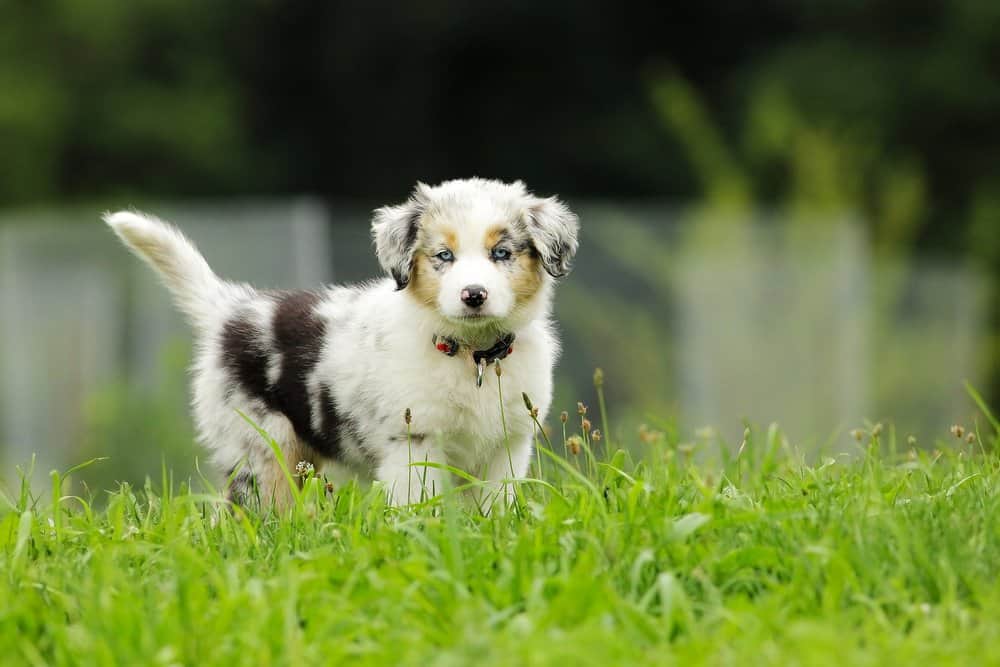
(377, 356)
(197, 290)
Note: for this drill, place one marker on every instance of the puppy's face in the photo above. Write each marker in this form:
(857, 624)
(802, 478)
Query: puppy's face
(477, 252)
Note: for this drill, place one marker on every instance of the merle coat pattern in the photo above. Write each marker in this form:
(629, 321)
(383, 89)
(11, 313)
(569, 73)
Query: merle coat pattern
(329, 373)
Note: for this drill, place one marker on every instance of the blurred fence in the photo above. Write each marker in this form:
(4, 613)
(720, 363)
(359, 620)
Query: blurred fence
(717, 321)
(708, 321)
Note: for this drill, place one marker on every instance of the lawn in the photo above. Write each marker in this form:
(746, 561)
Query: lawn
(676, 554)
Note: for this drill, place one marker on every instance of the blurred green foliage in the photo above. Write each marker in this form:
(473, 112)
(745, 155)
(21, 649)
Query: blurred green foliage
(140, 429)
(172, 97)
(885, 110)
(107, 97)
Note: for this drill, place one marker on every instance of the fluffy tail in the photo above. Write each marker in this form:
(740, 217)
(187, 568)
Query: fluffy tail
(197, 291)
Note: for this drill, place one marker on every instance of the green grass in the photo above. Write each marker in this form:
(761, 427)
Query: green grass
(679, 558)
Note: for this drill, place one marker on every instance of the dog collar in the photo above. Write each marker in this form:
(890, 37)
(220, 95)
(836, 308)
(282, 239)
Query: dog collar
(481, 358)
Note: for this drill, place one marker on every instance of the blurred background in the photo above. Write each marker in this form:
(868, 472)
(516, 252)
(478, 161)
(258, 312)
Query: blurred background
(791, 211)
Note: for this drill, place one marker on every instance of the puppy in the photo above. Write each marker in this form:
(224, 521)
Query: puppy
(329, 374)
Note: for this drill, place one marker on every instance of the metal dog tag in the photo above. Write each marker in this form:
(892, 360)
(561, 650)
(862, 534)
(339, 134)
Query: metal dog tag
(480, 369)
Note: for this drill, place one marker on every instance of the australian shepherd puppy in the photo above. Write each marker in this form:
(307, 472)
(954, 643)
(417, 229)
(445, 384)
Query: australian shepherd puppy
(330, 373)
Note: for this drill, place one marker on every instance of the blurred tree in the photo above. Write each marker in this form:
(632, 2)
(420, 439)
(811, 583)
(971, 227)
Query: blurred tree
(104, 97)
(361, 98)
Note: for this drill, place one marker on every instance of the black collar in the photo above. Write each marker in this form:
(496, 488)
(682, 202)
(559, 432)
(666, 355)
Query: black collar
(481, 358)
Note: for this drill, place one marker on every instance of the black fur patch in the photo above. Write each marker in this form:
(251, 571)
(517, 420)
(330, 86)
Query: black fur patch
(557, 265)
(517, 243)
(411, 438)
(244, 355)
(412, 229)
(330, 423)
(297, 334)
(401, 274)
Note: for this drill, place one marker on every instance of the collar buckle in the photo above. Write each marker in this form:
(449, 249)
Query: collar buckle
(481, 358)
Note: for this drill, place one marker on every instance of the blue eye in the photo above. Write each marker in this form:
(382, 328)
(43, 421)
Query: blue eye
(500, 254)
(445, 256)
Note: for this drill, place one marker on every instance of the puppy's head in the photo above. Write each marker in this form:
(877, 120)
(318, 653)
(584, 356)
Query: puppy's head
(478, 252)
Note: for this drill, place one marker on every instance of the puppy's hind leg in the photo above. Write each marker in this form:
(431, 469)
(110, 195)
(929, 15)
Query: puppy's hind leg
(260, 488)
(259, 484)
(243, 489)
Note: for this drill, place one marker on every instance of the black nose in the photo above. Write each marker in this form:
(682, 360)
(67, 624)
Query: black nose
(474, 296)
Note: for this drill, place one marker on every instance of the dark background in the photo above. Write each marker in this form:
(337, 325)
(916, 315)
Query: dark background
(592, 100)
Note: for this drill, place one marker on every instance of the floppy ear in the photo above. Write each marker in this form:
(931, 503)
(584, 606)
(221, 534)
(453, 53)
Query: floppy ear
(394, 229)
(553, 229)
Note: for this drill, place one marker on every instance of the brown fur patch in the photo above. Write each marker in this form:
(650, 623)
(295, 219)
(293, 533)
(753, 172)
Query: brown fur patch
(494, 234)
(450, 239)
(526, 278)
(437, 233)
(424, 283)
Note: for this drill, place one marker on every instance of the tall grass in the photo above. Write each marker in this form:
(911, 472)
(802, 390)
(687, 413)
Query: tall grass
(665, 552)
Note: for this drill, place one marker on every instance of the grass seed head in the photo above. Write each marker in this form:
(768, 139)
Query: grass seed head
(527, 401)
(598, 377)
(858, 434)
(958, 431)
(649, 436)
(564, 416)
(586, 425)
(581, 409)
(407, 416)
(970, 438)
(574, 444)
(911, 441)
(303, 468)
(596, 435)
(877, 430)
(496, 369)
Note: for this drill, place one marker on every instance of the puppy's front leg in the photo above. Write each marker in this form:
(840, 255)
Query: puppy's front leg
(405, 477)
(503, 468)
